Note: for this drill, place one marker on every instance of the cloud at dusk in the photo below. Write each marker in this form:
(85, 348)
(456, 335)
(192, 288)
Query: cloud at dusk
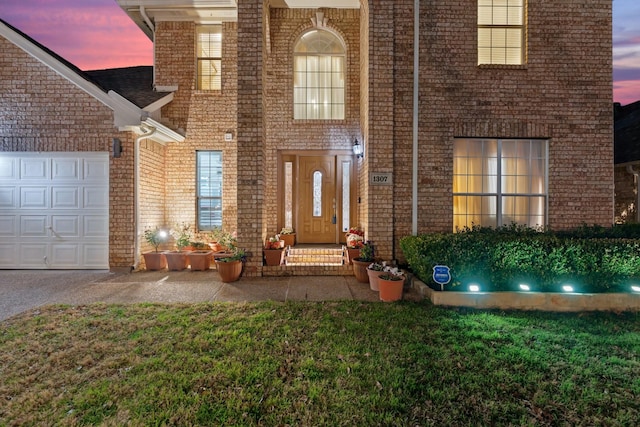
(626, 51)
(97, 34)
(91, 34)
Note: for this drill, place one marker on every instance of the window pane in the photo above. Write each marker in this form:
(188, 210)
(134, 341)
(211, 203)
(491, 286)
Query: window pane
(209, 57)
(317, 194)
(209, 189)
(288, 194)
(319, 76)
(346, 196)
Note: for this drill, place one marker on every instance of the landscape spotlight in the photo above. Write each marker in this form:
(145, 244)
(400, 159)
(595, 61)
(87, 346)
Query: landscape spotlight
(474, 288)
(567, 288)
(635, 288)
(524, 287)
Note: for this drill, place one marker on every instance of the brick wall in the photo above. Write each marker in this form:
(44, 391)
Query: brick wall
(42, 111)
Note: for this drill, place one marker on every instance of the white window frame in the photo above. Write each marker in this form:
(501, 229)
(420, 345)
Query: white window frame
(208, 177)
(497, 181)
(501, 32)
(310, 100)
(211, 35)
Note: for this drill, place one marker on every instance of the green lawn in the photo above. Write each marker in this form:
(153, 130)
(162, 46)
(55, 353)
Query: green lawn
(314, 364)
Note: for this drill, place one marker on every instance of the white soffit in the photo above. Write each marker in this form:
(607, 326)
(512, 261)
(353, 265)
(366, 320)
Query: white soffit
(315, 4)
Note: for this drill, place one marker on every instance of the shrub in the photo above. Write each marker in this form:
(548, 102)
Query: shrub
(594, 259)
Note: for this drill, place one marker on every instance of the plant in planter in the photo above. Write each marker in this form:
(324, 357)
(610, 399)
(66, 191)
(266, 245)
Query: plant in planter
(230, 268)
(355, 241)
(361, 263)
(219, 239)
(155, 260)
(374, 270)
(273, 251)
(200, 257)
(177, 260)
(391, 282)
(288, 235)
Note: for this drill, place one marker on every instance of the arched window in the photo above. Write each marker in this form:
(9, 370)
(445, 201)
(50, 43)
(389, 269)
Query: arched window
(318, 76)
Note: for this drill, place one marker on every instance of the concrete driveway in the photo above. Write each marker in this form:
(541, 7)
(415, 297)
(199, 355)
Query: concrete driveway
(23, 290)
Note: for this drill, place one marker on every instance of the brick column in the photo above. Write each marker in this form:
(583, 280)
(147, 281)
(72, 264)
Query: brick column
(251, 149)
(380, 144)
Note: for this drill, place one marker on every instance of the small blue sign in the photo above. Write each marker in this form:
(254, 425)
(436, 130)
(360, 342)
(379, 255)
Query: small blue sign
(441, 274)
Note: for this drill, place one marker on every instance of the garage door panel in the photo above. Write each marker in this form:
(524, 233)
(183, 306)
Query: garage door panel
(8, 198)
(8, 255)
(34, 169)
(33, 255)
(8, 226)
(65, 226)
(65, 255)
(65, 169)
(96, 198)
(8, 168)
(33, 225)
(95, 170)
(34, 198)
(65, 197)
(96, 226)
(95, 256)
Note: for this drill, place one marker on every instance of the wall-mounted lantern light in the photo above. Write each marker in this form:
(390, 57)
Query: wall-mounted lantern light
(117, 148)
(358, 149)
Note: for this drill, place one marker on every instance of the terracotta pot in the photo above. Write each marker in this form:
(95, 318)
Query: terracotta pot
(176, 260)
(390, 290)
(289, 239)
(373, 279)
(353, 253)
(200, 260)
(229, 271)
(215, 246)
(360, 270)
(154, 261)
(273, 257)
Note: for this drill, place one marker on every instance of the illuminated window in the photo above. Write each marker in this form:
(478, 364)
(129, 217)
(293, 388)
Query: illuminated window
(499, 182)
(318, 76)
(501, 31)
(317, 193)
(209, 189)
(209, 57)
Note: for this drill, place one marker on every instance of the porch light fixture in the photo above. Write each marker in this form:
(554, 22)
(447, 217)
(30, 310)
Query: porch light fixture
(117, 148)
(358, 149)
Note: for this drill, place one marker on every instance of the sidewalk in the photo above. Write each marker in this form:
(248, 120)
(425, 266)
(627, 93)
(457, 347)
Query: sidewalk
(24, 290)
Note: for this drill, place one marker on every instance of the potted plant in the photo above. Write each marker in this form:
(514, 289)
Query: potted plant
(391, 283)
(361, 263)
(288, 235)
(273, 251)
(155, 260)
(355, 241)
(177, 260)
(218, 239)
(200, 257)
(230, 268)
(374, 270)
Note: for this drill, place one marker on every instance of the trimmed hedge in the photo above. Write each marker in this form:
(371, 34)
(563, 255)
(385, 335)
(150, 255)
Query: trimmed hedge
(592, 259)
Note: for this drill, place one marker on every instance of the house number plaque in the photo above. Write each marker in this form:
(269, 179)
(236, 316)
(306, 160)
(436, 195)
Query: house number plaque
(380, 178)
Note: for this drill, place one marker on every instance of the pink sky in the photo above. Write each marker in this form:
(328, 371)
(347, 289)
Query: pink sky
(96, 34)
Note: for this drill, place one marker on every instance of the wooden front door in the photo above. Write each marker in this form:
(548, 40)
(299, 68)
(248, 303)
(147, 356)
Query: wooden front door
(317, 196)
(317, 192)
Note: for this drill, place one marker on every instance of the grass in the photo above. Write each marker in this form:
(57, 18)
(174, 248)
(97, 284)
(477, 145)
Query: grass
(311, 364)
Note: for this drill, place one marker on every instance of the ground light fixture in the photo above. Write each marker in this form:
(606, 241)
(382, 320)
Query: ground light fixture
(635, 288)
(567, 288)
(524, 287)
(473, 287)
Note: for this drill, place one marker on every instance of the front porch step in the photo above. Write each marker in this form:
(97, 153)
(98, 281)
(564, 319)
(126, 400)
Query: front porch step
(314, 257)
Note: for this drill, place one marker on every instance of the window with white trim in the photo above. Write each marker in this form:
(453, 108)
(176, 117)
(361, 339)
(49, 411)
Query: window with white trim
(209, 57)
(501, 32)
(499, 182)
(209, 189)
(318, 76)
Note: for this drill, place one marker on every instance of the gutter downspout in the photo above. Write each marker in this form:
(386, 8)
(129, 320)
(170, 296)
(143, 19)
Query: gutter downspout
(416, 87)
(152, 27)
(149, 131)
(635, 173)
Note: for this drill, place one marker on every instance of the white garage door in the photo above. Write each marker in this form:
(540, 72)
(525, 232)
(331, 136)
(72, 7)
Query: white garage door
(54, 210)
